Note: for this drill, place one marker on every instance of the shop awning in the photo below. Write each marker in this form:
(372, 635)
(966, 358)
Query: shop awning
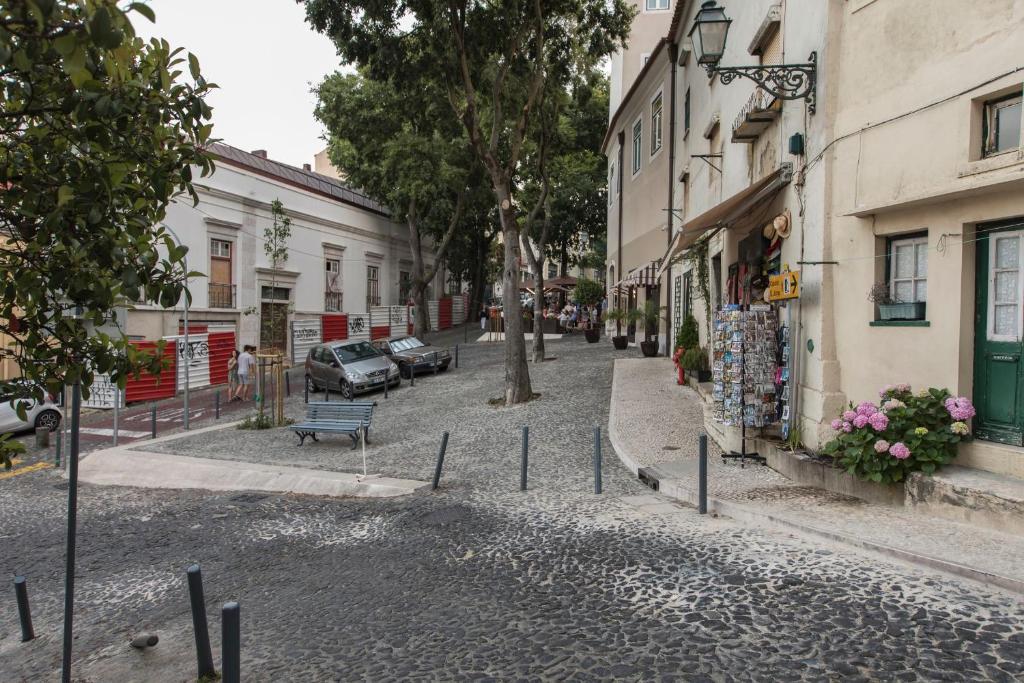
(727, 214)
(645, 275)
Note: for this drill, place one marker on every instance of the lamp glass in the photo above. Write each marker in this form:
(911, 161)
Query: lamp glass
(712, 27)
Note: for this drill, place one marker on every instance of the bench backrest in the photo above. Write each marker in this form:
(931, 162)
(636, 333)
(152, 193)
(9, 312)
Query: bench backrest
(341, 410)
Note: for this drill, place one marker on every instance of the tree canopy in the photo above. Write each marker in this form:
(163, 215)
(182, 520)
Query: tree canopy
(99, 131)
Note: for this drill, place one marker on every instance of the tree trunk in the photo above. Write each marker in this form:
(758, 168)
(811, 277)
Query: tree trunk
(538, 322)
(478, 282)
(517, 372)
(421, 323)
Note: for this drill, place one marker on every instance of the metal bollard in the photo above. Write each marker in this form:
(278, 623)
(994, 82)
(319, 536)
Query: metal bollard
(204, 655)
(387, 382)
(435, 363)
(152, 419)
(702, 475)
(597, 459)
(440, 461)
(57, 450)
(456, 356)
(24, 612)
(287, 384)
(327, 393)
(216, 405)
(525, 458)
(412, 376)
(306, 395)
(231, 640)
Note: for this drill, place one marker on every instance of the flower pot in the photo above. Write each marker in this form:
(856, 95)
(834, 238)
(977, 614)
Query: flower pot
(620, 342)
(649, 348)
(911, 311)
(592, 335)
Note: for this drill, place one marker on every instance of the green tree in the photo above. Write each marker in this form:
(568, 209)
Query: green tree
(494, 61)
(99, 131)
(275, 245)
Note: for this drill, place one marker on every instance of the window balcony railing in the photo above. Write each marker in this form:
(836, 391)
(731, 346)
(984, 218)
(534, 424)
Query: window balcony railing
(222, 296)
(332, 301)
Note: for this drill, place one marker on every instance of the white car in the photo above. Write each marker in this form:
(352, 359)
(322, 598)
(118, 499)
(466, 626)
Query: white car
(46, 415)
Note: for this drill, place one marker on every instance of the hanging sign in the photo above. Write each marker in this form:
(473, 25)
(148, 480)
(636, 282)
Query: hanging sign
(785, 285)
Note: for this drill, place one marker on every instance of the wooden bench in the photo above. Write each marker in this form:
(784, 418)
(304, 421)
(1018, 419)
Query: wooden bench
(342, 417)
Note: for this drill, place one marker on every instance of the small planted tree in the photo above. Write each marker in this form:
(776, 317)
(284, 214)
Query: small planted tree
(275, 245)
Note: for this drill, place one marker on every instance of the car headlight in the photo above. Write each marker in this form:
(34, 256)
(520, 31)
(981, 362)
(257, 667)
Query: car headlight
(353, 375)
(392, 368)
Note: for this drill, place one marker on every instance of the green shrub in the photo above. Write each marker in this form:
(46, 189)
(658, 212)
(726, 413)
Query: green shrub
(688, 336)
(257, 421)
(695, 358)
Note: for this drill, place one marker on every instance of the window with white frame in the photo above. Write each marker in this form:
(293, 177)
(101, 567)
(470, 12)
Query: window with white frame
(638, 144)
(1001, 125)
(908, 268)
(656, 109)
(1006, 286)
(654, 5)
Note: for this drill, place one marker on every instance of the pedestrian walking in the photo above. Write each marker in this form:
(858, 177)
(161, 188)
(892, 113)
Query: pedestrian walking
(233, 373)
(246, 362)
(483, 317)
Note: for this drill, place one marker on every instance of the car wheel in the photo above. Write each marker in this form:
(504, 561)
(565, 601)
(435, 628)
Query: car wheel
(311, 385)
(404, 371)
(48, 420)
(346, 389)
(443, 367)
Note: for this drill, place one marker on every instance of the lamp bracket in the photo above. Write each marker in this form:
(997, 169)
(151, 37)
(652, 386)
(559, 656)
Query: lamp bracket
(785, 81)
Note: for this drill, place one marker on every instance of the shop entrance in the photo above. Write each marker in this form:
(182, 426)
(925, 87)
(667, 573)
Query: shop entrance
(999, 319)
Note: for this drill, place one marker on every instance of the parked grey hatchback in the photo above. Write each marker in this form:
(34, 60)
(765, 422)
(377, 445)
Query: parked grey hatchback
(350, 368)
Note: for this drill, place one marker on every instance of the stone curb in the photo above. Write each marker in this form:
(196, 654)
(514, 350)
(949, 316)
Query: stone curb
(753, 516)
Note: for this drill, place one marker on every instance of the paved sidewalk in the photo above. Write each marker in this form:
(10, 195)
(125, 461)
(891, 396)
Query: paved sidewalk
(655, 423)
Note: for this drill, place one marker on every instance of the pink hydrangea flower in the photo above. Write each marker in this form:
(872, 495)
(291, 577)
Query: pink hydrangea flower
(893, 404)
(881, 446)
(837, 424)
(878, 421)
(899, 450)
(867, 408)
(903, 387)
(847, 427)
(960, 408)
(860, 421)
(885, 390)
(960, 428)
(848, 415)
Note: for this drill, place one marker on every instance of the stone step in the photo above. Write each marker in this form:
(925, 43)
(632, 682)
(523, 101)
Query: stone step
(963, 494)
(992, 457)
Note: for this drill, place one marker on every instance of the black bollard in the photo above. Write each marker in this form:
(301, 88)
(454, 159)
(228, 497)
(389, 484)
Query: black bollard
(327, 392)
(24, 612)
(440, 461)
(231, 639)
(412, 376)
(456, 356)
(525, 459)
(216, 405)
(702, 475)
(435, 363)
(204, 656)
(306, 396)
(287, 384)
(387, 382)
(60, 444)
(152, 419)
(597, 459)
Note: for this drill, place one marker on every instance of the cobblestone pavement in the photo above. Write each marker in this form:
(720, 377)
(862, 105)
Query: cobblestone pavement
(480, 581)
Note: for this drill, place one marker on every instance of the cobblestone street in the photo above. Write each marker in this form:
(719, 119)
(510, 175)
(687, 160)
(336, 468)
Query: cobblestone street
(478, 580)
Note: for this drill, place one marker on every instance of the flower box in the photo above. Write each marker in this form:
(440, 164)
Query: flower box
(911, 311)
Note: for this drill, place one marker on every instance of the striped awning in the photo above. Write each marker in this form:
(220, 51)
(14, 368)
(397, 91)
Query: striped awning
(641, 276)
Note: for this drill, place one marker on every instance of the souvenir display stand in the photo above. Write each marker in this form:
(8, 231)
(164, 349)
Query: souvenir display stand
(746, 372)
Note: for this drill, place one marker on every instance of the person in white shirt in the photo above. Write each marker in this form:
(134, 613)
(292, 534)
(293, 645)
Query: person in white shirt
(246, 363)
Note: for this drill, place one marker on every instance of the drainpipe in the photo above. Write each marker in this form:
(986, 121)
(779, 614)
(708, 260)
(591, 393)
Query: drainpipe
(618, 190)
(673, 53)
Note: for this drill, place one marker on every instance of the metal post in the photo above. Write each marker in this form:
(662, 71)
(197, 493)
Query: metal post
(456, 356)
(24, 612)
(440, 461)
(702, 475)
(152, 419)
(597, 459)
(525, 458)
(412, 376)
(287, 384)
(117, 410)
(387, 381)
(305, 398)
(231, 639)
(435, 363)
(69, 569)
(60, 445)
(216, 405)
(327, 392)
(204, 655)
(362, 440)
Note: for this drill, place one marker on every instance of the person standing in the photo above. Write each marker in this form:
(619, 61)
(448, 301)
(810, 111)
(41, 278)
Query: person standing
(233, 374)
(246, 362)
(483, 317)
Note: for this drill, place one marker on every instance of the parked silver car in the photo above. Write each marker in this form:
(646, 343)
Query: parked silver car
(350, 368)
(43, 416)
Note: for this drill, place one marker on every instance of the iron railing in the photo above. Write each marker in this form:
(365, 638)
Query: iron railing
(222, 296)
(332, 301)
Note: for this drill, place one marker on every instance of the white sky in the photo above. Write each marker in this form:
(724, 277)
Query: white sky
(264, 57)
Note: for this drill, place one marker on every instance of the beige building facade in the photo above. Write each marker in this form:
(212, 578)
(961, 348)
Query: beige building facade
(904, 171)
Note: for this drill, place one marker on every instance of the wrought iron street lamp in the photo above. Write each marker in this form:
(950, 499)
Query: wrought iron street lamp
(784, 81)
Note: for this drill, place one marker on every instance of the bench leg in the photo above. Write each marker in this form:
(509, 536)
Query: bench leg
(313, 434)
(366, 435)
(302, 437)
(355, 441)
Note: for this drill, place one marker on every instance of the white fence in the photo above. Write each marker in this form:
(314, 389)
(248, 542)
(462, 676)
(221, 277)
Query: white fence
(305, 335)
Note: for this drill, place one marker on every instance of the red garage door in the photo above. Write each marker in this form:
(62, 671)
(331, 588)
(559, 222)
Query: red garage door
(152, 387)
(221, 345)
(444, 314)
(335, 327)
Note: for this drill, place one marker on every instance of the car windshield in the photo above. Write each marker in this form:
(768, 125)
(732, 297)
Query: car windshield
(350, 353)
(406, 344)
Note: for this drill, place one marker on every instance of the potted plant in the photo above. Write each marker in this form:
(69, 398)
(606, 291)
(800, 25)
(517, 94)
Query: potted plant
(588, 293)
(695, 361)
(617, 316)
(890, 307)
(687, 337)
(650, 316)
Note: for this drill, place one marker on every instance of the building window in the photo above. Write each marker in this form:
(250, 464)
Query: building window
(275, 293)
(908, 268)
(221, 291)
(656, 107)
(1001, 125)
(611, 184)
(638, 135)
(552, 270)
(686, 113)
(654, 5)
(687, 293)
(404, 285)
(373, 285)
(332, 284)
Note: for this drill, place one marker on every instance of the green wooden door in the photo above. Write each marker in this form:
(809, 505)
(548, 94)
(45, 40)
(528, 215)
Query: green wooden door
(999, 319)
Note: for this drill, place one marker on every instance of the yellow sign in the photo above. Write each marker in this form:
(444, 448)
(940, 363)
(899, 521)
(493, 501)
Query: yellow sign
(785, 285)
